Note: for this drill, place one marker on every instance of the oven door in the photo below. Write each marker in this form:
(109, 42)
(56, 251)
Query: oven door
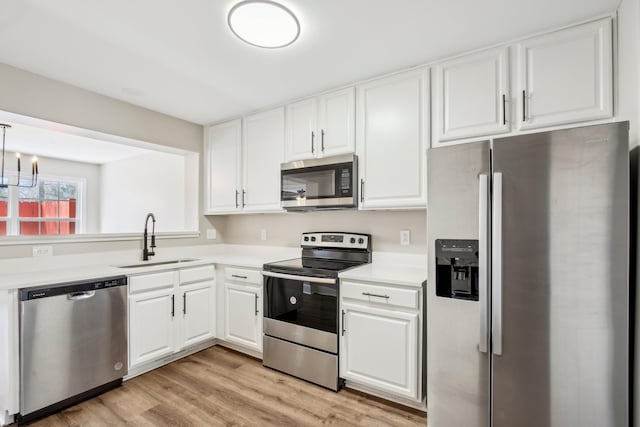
(312, 184)
(302, 310)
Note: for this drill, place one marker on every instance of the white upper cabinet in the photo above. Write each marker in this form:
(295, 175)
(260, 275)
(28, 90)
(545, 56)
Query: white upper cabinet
(263, 145)
(321, 126)
(392, 123)
(472, 95)
(337, 116)
(243, 164)
(301, 128)
(222, 167)
(566, 76)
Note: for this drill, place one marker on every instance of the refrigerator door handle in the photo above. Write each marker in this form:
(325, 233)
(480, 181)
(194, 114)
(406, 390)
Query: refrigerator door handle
(496, 265)
(483, 209)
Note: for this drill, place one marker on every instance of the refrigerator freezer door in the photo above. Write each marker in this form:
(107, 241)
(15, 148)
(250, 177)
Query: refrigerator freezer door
(564, 266)
(457, 358)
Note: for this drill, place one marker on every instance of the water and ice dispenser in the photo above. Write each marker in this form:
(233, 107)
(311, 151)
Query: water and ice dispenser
(457, 269)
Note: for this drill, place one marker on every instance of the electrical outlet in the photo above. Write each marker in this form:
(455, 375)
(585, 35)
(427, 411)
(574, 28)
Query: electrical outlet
(405, 237)
(263, 234)
(212, 234)
(42, 250)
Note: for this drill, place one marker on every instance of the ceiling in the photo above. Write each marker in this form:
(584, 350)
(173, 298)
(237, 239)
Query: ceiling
(29, 140)
(179, 57)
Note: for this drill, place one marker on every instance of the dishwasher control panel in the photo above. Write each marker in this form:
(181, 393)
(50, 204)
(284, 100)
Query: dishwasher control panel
(72, 287)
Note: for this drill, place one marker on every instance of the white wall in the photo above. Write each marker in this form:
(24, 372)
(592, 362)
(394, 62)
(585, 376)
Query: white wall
(285, 229)
(154, 182)
(628, 108)
(35, 96)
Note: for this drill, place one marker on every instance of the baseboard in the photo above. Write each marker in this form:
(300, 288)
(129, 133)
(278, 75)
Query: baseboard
(150, 366)
(420, 406)
(6, 419)
(239, 349)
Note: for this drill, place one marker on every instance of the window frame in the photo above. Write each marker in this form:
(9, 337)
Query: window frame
(14, 219)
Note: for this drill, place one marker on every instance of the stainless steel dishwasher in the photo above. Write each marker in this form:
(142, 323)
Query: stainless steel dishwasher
(73, 343)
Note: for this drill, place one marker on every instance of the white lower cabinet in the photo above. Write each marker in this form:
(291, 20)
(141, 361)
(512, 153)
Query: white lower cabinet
(198, 313)
(380, 343)
(170, 311)
(151, 326)
(243, 308)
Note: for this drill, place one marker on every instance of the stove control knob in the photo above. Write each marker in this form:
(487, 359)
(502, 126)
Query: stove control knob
(306, 238)
(353, 240)
(361, 240)
(313, 238)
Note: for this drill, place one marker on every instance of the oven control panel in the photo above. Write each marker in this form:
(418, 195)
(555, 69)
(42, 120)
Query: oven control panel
(336, 240)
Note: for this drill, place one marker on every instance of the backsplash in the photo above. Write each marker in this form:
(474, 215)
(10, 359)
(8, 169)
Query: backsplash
(285, 229)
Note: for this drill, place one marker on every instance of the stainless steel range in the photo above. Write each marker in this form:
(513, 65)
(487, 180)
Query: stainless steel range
(301, 306)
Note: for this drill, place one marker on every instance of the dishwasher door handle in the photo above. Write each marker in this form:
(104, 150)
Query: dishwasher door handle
(76, 296)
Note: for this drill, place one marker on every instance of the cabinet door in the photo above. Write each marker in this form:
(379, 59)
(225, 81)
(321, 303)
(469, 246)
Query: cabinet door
(243, 308)
(151, 325)
(222, 167)
(337, 115)
(566, 76)
(392, 121)
(301, 130)
(197, 306)
(263, 147)
(380, 348)
(473, 95)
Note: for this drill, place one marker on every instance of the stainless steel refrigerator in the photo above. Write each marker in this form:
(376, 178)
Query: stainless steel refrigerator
(528, 283)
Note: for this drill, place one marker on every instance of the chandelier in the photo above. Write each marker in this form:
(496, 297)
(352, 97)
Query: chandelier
(4, 181)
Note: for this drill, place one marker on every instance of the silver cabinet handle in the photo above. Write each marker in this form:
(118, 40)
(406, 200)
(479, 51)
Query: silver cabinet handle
(77, 296)
(496, 265)
(361, 190)
(524, 104)
(237, 193)
(313, 137)
(173, 305)
(504, 109)
(243, 194)
(483, 226)
(184, 303)
(375, 295)
(322, 140)
(237, 276)
(343, 329)
(256, 304)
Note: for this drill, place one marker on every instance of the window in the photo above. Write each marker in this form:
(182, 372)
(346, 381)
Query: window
(49, 208)
(4, 210)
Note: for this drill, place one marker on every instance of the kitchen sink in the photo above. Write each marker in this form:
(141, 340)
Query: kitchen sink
(152, 264)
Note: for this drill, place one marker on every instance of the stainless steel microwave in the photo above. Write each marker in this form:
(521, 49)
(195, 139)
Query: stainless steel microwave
(327, 183)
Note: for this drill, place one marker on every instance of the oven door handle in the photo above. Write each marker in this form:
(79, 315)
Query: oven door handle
(299, 278)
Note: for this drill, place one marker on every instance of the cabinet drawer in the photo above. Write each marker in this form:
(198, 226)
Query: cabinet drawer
(197, 274)
(151, 281)
(408, 298)
(243, 275)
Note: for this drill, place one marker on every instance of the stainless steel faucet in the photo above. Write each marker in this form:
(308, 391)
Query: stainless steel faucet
(145, 252)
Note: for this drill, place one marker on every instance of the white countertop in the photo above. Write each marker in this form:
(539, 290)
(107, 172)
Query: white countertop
(32, 272)
(391, 268)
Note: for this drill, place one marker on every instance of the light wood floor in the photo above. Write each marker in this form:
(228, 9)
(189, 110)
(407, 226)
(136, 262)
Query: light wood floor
(220, 387)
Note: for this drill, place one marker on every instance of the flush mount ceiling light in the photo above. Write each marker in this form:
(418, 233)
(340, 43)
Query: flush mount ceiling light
(263, 23)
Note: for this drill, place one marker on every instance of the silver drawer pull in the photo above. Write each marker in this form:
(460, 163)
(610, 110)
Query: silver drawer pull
(375, 295)
(238, 276)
